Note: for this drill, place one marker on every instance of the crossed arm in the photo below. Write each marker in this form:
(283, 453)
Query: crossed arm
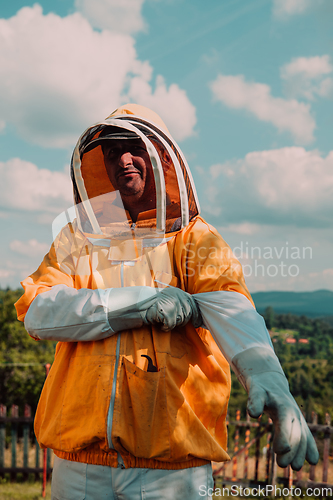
(66, 314)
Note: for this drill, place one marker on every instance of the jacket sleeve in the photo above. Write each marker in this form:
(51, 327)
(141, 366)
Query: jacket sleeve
(52, 308)
(241, 335)
(215, 278)
(57, 268)
(66, 314)
(236, 327)
(69, 315)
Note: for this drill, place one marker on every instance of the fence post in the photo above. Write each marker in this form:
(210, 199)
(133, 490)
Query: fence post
(285, 473)
(228, 429)
(257, 453)
(48, 464)
(299, 475)
(236, 439)
(272, 479)
(327, 439)
(37, 476)
(246, 453)
(14, 414)
(268, 453)
(3, 413)
(312, 475)
(47, 369)
(27, 414)
(290, 477)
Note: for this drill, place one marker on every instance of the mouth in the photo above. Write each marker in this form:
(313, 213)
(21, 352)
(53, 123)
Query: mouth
(128, 173)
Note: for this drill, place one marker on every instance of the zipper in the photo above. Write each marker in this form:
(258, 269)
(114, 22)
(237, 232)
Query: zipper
(114, 382)
(113, 395)
(122, 274)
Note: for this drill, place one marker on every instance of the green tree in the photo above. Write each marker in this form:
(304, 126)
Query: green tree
(269, 317)
(22, 359)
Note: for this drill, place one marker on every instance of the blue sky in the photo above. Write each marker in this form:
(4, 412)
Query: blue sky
(246, 88)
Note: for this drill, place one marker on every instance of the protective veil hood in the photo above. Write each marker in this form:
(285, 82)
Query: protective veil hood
(99, 208)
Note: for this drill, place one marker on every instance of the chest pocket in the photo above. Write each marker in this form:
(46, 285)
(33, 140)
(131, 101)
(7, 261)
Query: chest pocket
(141, 423)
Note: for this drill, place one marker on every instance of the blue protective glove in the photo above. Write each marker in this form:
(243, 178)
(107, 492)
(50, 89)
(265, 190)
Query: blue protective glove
(268, 392)
(173, 307)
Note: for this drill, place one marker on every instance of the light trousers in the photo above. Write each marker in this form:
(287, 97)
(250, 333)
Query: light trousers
(77, 481)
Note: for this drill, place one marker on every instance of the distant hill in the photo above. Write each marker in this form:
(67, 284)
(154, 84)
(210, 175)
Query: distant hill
(318, 304)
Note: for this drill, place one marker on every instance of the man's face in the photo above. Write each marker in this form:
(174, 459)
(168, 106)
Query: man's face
(130, 171)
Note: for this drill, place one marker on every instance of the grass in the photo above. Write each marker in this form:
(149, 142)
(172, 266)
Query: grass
(29, 490)
(23, 491)
(32, 490)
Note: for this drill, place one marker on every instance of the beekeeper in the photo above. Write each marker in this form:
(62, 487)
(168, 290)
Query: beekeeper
(149, 308)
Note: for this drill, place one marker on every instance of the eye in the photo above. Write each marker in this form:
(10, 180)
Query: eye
(113, 152)
(138, 149)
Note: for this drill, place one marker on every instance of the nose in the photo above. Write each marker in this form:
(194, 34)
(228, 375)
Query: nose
(125, 159)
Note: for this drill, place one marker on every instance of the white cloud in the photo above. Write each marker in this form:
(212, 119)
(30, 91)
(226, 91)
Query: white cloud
(5, 273)
(307, 77)
(317, 281)
(18, 269)
(285, 8)
(328, 272)
(58, 75)
(282, 257)
(282, 186)
(245, 228)
(25, 187)
(31, 248)
(172, 104)
(123, 16)
(311, 67)
(287, 115)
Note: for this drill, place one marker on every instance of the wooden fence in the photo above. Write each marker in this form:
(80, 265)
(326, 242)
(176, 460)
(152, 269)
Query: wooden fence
(258, 461)
(252, 458)
(19, 450)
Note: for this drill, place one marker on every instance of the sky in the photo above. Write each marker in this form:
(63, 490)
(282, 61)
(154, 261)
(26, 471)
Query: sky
(245, 88)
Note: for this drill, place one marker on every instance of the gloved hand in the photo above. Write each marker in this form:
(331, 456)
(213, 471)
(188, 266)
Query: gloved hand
(242, 337)
(293, 441)
(127, 307)
(173, 307)
(268, 391)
